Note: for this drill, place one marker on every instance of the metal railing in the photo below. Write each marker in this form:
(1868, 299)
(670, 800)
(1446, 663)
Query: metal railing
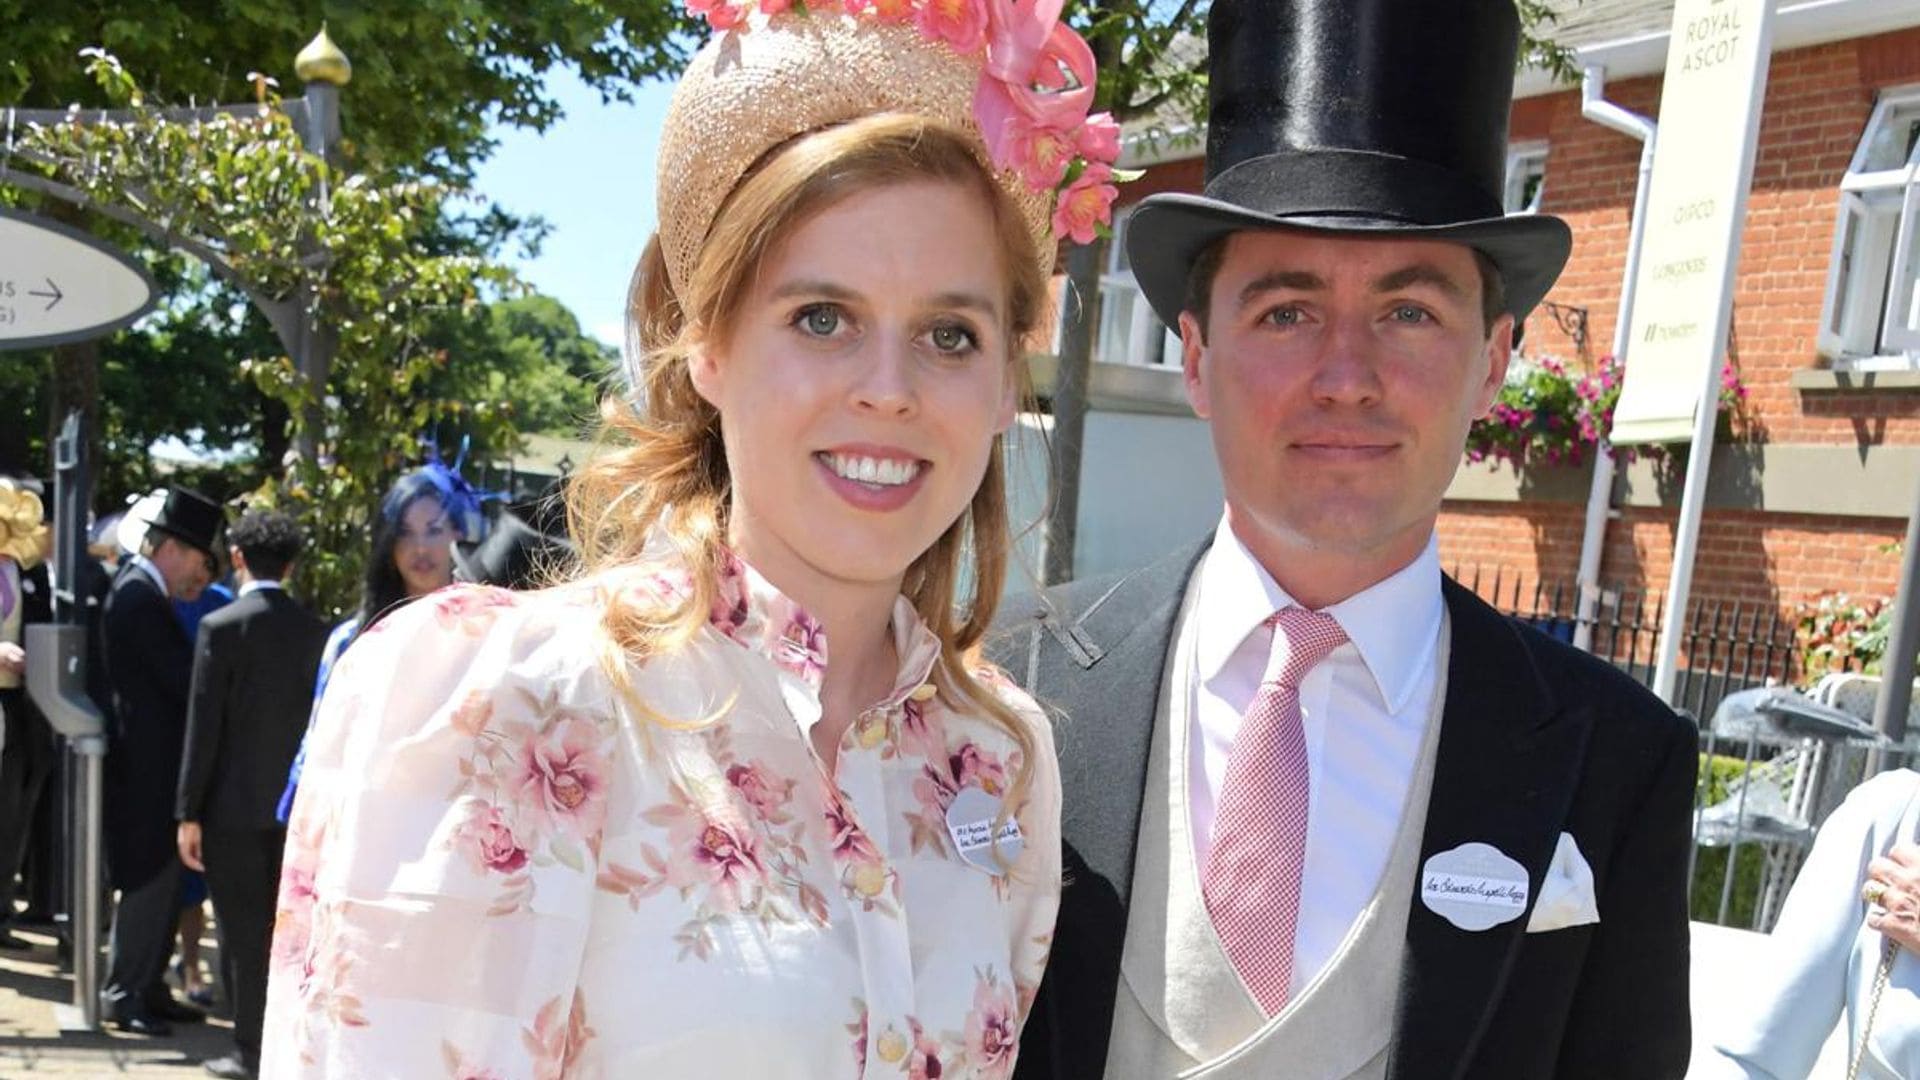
(1729, 645)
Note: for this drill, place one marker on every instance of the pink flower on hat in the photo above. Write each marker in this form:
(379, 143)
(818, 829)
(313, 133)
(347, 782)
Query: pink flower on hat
(1042, 155)
(1100, 138)
(891, 11)
(720, 14)
(1085, 205)
(960, 23)
(774, 7)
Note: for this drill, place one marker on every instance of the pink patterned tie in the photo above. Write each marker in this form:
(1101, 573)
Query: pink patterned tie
(1252, 879)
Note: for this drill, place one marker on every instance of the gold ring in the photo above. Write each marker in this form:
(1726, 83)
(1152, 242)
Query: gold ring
(1873, 891)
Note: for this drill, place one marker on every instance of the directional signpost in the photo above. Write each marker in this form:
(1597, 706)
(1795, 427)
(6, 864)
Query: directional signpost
(58, 284)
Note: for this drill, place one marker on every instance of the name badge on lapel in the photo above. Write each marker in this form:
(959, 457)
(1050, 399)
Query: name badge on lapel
(970, 819)
(1474, 886)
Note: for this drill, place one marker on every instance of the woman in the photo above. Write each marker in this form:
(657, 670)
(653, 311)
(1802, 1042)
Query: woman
(742, 800)
(413, 538)
(1854, 906)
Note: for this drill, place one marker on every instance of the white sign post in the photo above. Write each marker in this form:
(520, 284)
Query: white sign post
(58, 284)
(1696, 206)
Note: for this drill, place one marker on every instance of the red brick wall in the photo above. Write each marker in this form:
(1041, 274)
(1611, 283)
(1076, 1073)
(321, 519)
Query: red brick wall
(1817, 104)
(1752, 556)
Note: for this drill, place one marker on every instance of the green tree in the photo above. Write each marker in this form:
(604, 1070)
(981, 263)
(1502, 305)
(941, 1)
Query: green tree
(528, 356)
(428, 75)
(1151, 56)
(429, 79)
(239, 191)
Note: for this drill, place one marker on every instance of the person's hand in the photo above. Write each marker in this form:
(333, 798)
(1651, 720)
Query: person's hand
(13, 658)
(187, 839)
(1892, 893)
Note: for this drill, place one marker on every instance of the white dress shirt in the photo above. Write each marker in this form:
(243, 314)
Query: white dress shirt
(255, 586)
(1364, 710)
(147, 567)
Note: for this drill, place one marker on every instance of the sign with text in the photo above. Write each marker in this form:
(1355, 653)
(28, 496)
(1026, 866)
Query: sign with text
(58, 284)
(1696, 205)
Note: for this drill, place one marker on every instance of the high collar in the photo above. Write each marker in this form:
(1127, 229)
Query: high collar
(751, 612)
(257, 585)
(1394, 623)
(146, 566)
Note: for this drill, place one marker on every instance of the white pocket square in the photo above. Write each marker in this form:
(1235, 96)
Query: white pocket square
(1566, 896)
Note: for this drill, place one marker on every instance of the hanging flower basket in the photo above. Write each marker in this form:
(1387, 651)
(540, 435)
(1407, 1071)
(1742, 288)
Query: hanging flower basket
(1546, 415)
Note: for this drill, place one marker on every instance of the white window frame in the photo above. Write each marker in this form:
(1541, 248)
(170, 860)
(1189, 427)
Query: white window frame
(1870, 317)
(1121, 299)
(1524, 159)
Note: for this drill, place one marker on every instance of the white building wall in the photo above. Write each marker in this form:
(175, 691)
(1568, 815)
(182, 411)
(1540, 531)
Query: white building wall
(1148, 486)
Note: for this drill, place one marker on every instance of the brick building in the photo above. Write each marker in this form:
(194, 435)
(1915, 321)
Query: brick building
(1814, 489)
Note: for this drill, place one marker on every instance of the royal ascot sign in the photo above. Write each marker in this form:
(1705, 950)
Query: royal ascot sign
(58, 284)
(1696, 205)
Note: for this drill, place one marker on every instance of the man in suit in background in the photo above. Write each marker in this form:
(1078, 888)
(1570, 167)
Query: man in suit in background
(253, 670)
(1327, 815)
(149, 663)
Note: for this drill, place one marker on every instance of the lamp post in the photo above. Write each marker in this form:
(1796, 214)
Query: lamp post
(324, 69)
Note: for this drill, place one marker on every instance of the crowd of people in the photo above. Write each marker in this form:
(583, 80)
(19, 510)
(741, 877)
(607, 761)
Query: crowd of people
(208, 689)
(768, 785)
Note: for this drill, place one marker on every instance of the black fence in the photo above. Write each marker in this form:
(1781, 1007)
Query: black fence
(1727, 645)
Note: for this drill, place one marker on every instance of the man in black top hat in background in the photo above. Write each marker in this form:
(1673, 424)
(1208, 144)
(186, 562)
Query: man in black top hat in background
(1326, 813)
(149, 665)
(253, 669)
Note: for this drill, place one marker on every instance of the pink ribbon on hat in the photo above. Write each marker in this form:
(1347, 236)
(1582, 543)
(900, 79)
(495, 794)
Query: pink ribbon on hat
(1039, 85)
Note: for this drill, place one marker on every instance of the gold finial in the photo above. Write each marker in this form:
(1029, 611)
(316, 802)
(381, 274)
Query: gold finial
(322, 61)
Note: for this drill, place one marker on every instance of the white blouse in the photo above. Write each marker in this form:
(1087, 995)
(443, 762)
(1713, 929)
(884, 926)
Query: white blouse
(499, 867)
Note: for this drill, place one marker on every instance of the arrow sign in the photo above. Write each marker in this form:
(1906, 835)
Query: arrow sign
(58, 284)
(54, 296)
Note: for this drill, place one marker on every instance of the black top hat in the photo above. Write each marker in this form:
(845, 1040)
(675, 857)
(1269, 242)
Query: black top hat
(189, 516)
(1356, 116)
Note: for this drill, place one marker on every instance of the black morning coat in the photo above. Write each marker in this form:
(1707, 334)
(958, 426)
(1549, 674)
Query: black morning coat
(1536, 738)
(148, 665)
(253, 670)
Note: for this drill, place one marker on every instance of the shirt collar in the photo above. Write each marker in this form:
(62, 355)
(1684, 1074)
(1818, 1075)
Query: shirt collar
(751, 612)
(1394, 624)
(146, 566)
(256, 585)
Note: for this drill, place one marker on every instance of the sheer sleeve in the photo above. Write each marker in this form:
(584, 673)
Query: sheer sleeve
(438, 877)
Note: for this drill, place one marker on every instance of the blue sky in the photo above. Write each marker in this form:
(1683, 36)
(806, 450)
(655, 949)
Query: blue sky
(591, 177)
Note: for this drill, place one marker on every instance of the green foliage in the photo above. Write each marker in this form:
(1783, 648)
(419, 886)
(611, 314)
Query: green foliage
(527, 356)
(277, 220)
(428, 75)
(1838, 633)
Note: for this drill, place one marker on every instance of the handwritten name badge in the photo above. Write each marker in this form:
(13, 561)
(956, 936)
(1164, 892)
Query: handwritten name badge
(970, 819)
(1474, 886)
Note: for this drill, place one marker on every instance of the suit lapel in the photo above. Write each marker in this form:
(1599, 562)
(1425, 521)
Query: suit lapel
(1118, 644)
(1508, 761)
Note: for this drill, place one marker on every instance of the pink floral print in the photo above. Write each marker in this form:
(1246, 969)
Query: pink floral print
(491, 841)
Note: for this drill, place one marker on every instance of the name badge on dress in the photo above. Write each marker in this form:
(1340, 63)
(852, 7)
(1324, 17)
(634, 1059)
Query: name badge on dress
(1474, 886)
(970, 818)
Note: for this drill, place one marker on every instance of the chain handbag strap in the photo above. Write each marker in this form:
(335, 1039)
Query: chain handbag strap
(1880, 977)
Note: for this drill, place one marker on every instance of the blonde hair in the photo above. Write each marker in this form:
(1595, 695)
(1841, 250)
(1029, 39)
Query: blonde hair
(662, 472)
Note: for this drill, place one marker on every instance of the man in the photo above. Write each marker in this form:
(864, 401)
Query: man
(149, 664)
(1326, 814)
(253, 669)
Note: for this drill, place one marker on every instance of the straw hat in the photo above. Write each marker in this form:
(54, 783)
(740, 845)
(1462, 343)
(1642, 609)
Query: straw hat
(770, 74)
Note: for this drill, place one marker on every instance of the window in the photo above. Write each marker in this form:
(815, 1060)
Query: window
(1526, 176)
(1130, 333)
(1872, 313)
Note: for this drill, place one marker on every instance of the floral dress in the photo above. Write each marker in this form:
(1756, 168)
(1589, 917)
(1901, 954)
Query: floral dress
(500, 866)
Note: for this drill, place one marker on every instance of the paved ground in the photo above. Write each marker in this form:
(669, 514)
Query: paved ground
(32, 1045)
